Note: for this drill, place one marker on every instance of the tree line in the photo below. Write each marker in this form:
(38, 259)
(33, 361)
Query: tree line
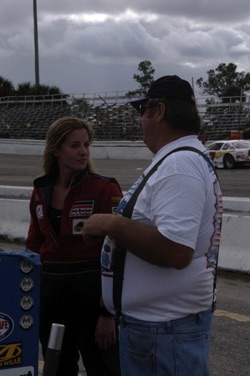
(7, 89)
(223, 81)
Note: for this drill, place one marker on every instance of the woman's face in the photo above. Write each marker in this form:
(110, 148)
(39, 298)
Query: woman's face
(73, 154)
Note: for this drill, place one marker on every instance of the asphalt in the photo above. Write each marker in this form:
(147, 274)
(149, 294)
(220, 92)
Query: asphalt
(20, 170)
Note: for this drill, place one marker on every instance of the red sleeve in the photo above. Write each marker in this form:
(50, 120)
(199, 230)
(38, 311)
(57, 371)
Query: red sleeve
(34, 237)
(109, 200)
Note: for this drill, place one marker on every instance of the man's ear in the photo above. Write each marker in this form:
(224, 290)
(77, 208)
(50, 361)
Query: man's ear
(162, 108)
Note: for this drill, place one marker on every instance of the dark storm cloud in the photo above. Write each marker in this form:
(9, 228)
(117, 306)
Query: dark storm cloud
(92, 45)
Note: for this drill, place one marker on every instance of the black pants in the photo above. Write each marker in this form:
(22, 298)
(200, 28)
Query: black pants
(70, 295)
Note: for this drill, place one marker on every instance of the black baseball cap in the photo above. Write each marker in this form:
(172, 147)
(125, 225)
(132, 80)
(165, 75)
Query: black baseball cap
(169, 87)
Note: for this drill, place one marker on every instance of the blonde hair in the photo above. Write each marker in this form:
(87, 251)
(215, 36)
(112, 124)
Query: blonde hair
(57, 134)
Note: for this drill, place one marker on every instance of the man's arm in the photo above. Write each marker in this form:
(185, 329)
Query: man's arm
(144, 241)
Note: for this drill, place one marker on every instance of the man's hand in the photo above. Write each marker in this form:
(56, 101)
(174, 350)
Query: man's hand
(97, 225)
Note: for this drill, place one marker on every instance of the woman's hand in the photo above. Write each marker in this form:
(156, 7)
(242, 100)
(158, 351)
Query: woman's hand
(105, 333)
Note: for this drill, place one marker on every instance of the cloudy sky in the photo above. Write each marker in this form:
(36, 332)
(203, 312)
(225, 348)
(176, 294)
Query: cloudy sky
(96, 45)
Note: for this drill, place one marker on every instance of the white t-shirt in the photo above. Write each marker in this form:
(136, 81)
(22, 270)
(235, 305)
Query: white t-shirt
(183, 200)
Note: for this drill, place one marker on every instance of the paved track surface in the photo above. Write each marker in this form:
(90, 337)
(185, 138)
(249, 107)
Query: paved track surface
(20, 171)
(230, 343)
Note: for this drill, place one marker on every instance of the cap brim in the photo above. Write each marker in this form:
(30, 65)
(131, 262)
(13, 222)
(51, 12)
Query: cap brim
(137, 102)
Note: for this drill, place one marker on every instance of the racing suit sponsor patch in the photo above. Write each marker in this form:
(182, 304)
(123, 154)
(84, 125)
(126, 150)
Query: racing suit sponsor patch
(78, 225)
(82, 209)
(39, 211)
(115, 199)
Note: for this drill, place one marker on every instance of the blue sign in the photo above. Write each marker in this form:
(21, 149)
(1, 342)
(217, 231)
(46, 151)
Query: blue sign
(19, 313)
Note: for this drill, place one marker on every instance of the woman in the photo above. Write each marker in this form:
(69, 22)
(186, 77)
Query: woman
(62, 200)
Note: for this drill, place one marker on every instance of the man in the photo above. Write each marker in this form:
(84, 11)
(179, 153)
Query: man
(172, 242)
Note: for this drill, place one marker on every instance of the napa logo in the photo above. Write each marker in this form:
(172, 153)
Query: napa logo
(6, 326)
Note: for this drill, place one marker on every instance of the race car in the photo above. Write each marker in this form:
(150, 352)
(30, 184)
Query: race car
(229, 153)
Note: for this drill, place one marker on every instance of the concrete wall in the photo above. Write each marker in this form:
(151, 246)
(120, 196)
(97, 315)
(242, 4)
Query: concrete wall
(99, 149)
(234, 250)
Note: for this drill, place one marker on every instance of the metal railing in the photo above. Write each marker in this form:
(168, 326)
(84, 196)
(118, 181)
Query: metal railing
(111, 116)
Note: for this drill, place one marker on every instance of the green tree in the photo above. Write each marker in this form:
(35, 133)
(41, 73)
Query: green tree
(26, 88)
(227, 110)
(6, 87)
(145, 78)
(46, 90)
(224, 81)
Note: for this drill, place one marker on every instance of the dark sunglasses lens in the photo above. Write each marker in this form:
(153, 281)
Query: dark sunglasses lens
(143, 108)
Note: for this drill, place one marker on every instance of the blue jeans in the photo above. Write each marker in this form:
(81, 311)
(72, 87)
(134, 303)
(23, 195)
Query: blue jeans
(174, 348)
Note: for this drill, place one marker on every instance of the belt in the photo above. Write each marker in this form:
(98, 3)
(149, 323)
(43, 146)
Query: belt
(70, 267)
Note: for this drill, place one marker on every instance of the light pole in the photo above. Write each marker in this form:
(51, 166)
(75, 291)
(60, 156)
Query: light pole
(37, 81)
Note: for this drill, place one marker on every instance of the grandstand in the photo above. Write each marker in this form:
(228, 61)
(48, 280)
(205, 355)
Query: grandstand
(113, 119)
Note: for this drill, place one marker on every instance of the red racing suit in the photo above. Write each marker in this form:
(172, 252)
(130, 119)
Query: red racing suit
(89, 194)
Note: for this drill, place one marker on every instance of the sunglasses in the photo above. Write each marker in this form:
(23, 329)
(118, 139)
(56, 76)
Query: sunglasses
(144, 106)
